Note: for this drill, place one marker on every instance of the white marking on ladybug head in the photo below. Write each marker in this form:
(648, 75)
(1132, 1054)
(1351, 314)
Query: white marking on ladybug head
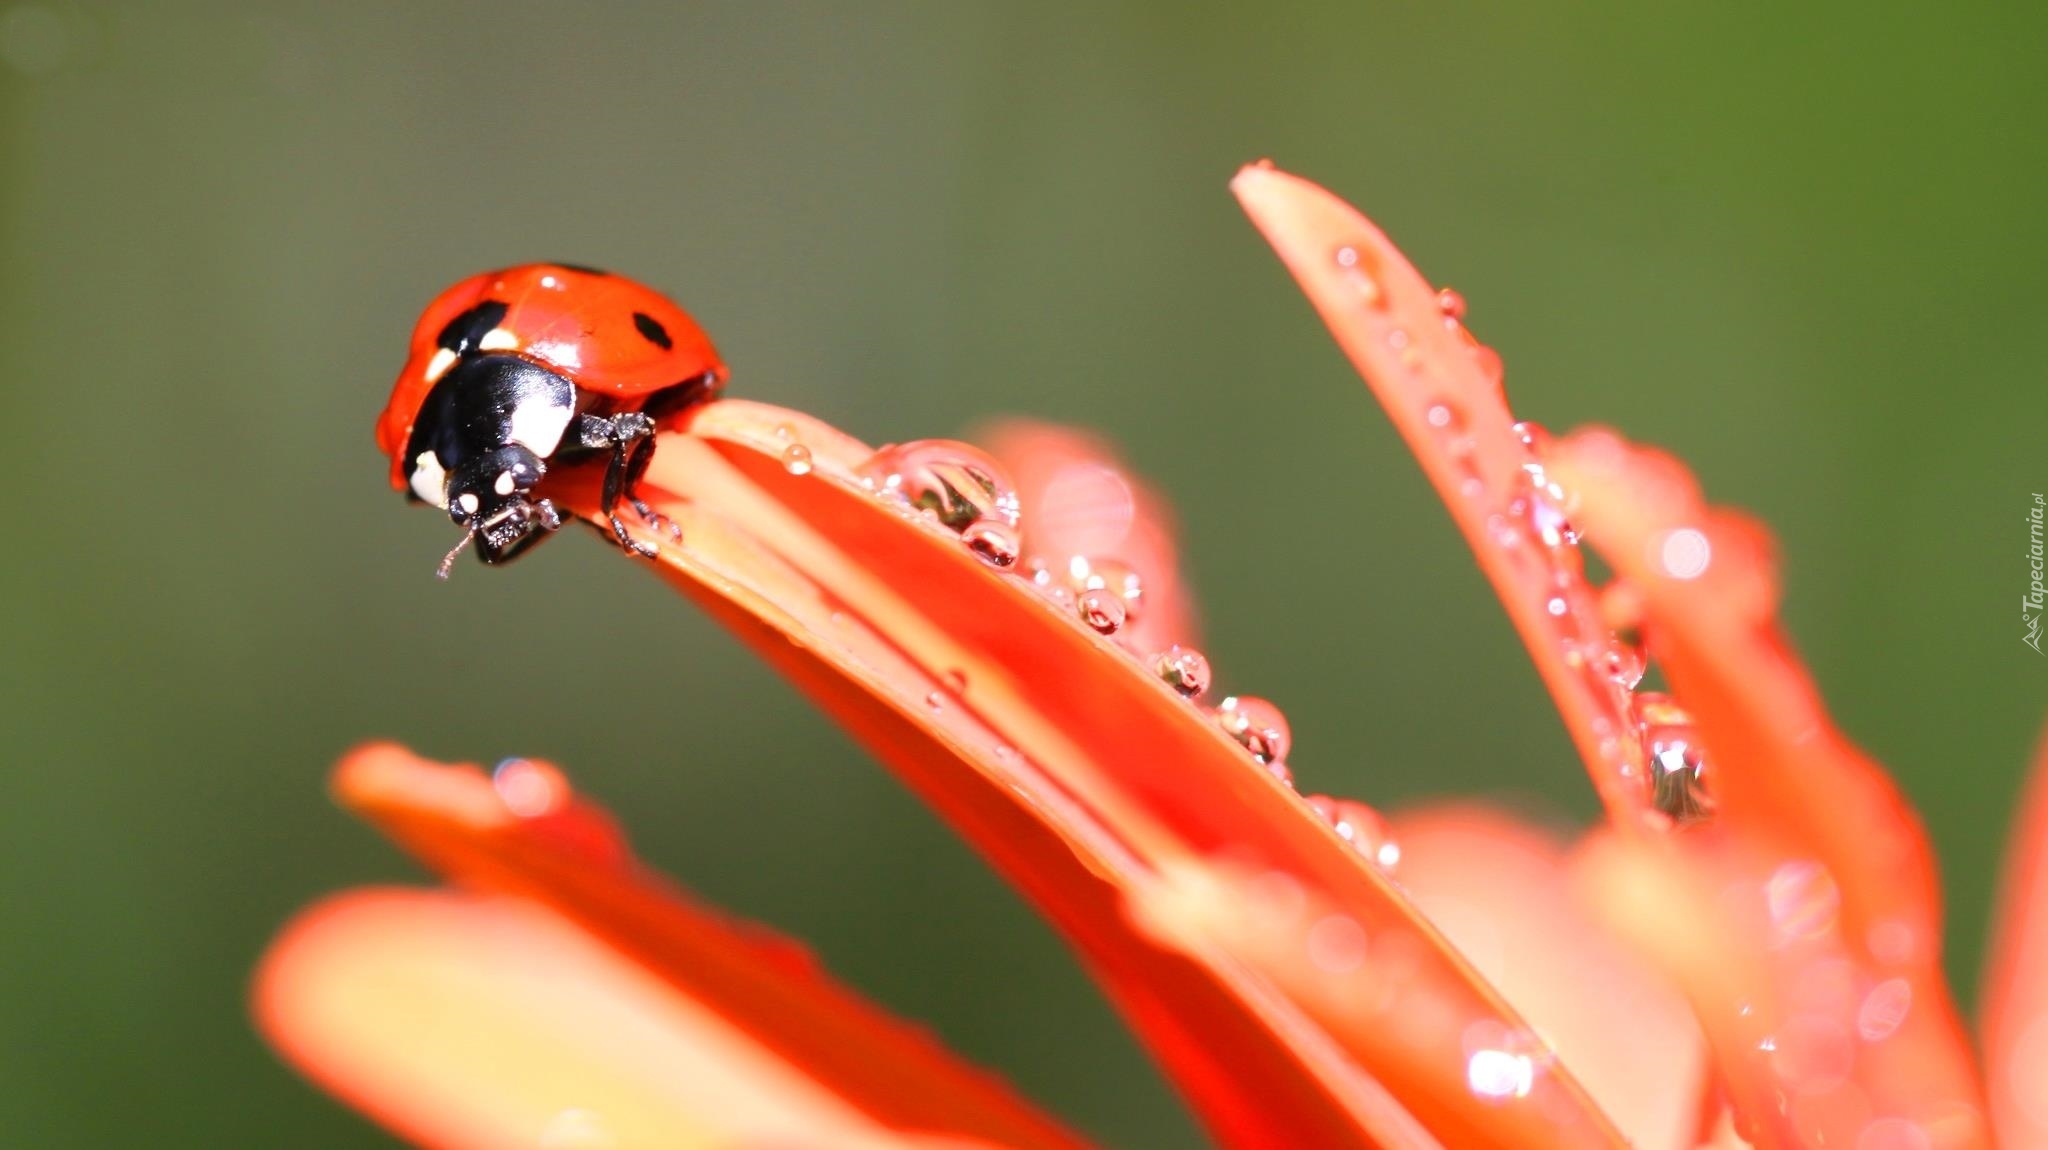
(537, 424)
(498, 339)
(439, 365)
(468, 502)
(429, 479)
(504, 484)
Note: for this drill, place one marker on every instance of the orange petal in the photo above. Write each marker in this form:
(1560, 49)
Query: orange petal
(479, 1021)
(2015, 1007)
(1442, 390)
(1091, 785)
(1837, 1021)
(1504, 894)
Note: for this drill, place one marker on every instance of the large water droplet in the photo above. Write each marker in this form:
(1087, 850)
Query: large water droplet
(1257, 725)
(957, 484)
(1621, 662)
(796, 459)
(1678, 765)
(1185, 670)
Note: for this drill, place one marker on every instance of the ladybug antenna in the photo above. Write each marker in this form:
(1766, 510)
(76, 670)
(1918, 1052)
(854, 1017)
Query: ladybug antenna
(448, 560)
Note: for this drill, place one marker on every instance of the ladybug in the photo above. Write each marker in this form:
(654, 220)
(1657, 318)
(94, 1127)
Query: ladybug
(515, 369)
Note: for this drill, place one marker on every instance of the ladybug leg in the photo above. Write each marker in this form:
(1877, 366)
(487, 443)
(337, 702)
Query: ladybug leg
(630, 436)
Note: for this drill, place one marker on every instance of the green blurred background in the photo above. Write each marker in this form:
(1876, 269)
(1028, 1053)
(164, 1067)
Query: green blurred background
(1804, 248)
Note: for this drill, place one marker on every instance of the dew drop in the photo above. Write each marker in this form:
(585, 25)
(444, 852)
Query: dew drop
(1101, 610)
(956, 681)
(993, 545)
(1113, 576)
(1451, 303)
(1678, 765)
(1257, 725)
(1347, 257)
(959, 485)
(1185, 670)
(935, 701)
(1361, 826)
(796, 459)
(1621, 662)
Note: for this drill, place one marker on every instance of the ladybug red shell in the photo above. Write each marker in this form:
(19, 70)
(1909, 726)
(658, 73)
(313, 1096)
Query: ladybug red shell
(513, 369)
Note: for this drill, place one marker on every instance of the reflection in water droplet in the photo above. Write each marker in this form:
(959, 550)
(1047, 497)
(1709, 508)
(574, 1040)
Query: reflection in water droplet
(935, 701)
(1620, 661)
(1101, 610)
(1257, 725)
(796, 459)
(1111, 575)
(529, 789)
(993, 545)
(1678, 764)
(1185, 670)
(957, 484)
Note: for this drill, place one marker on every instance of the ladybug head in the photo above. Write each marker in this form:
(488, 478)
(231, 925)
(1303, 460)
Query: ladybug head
(490, 497)
(480, 446)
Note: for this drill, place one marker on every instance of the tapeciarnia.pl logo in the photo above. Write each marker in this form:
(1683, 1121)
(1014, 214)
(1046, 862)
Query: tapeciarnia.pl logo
(2031, 602)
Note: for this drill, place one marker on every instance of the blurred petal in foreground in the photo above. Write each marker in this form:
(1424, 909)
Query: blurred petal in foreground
(2015, 1010)
(567, 998)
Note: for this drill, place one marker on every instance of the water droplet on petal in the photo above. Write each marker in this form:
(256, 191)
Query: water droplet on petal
(1113, 576)
(957, 484)
(936, 702)
(796, 459)
(1451, 303)
(993, 545)
(1257, 725)
(529, 789)
(1185, 670)
(1101, 610)
(1361, 826)
(1678, 765)
(1622, 662)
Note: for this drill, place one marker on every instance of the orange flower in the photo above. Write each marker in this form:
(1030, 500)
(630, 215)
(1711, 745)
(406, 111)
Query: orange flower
(1748, 947)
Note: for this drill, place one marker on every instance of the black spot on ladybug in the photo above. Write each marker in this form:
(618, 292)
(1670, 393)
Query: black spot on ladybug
(652, 329)
(586, 269)
(465, 331)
